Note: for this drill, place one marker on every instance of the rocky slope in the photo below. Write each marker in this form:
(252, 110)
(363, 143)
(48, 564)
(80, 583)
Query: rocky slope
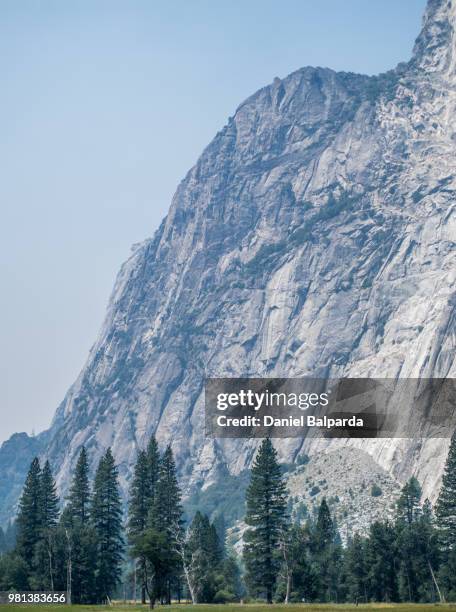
(357, 490)
(314, 236)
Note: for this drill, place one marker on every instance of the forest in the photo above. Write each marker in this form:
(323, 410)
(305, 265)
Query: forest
(96, 550)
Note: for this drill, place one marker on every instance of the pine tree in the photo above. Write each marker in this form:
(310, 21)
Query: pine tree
(29, 526)
(325, 533)
(79, 496)
(167, 513)
(79, 539)
(142, 494)
(49, 504)
(266, 502)
(408, 513)
(45, 547)
(445, 513)
(357, 570)
(408, 505)
(381, 558)
(166, 517)
(153, 461)
(140, 497)
(106, 519)
(445, 509)
(328, 554)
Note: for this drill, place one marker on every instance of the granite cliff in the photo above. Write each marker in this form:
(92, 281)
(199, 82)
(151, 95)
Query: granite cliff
(314, 236)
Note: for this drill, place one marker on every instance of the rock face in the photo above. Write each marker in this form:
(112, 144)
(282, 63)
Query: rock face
(314, 236)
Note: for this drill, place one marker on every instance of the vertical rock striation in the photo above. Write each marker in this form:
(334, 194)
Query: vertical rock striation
(314, 236)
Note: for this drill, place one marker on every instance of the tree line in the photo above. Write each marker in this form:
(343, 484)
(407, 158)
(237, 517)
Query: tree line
(89, 550)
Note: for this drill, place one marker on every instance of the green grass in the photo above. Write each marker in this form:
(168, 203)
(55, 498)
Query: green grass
(239, 608)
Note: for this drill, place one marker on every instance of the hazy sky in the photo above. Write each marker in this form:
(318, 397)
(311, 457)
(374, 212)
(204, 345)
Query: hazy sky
(104, 106)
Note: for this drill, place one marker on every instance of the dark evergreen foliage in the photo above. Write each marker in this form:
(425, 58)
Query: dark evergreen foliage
(411, 558)
(267, 521)
(327, 549)
(29, 516)
(44, 559)
(153, 466)
(79, 496)
(166, 518)
(106, 520)
(78, 537)
(141, 504)
(382, 561)
(445, 512)
(445, 509)
(49, 502)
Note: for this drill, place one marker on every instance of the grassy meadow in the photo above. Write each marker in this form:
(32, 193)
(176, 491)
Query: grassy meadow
(240, 608)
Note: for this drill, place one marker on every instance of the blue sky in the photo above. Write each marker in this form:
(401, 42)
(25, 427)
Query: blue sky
(104, 107)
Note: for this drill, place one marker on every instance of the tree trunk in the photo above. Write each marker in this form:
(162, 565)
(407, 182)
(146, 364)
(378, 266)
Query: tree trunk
(441, 597)
(191, 588)
(51, 571)
(288, 591)
(69, 569)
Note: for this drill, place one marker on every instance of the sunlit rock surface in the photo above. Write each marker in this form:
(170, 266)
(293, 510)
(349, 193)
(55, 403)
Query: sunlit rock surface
(315, 236)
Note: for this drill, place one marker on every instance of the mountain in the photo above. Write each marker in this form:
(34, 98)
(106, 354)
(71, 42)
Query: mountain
(314, 236)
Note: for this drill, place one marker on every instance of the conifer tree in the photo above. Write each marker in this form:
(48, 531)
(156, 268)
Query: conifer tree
(325, 533)
(166, 517)
(106, 519)
(328, 554)
(408, 505)
(445, 509)
(79, 536)
(153, 467)
(142, 493)
(381, 558)
(79, 496)
(49, 503)
(44, 572)
(357, 570)
(29, 516)
(266, 505)
(408, 513)
(140, 498)
(167, 504)
(445, 513)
